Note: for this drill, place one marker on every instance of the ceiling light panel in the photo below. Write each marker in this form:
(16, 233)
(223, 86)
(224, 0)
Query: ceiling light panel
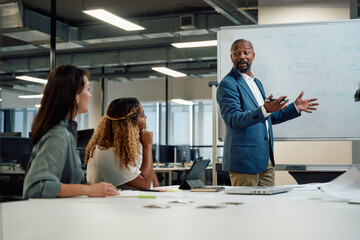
(30, 96)
(31, 79)
(112, 19)
(210, 43)
(168, 71)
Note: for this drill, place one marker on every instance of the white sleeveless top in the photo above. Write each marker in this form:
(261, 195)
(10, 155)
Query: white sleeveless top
(102, 167)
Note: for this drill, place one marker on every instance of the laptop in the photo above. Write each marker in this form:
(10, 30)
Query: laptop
(257, 190)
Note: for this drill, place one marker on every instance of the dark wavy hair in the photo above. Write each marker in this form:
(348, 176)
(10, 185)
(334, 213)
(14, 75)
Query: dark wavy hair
(59, 99)
(118, 129)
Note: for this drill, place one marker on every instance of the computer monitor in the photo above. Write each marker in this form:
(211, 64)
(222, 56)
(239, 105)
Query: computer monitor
(13, 148)
(183, 154)
(166, 154)
(84, 137)
(194, 154)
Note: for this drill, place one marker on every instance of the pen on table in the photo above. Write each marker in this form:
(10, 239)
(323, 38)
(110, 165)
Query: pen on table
(273, 99)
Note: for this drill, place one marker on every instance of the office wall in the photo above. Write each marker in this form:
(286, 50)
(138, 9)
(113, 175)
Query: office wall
(287, 11)
(312, 152)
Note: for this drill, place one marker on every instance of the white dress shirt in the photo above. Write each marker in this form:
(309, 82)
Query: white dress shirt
(256, 91)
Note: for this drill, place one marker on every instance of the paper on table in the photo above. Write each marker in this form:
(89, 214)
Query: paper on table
(133, 194)
(346, 186)
(306, 187)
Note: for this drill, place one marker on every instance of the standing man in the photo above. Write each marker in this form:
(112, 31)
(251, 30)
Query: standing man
(248, 147)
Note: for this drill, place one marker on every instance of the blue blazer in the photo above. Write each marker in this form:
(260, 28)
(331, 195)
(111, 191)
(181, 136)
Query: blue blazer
(247, 147)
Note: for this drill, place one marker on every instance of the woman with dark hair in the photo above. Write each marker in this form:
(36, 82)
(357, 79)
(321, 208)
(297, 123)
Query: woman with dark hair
(114, 152)
(55, 168)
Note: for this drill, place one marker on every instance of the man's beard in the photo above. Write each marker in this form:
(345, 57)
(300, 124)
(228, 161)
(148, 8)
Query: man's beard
(243, 70)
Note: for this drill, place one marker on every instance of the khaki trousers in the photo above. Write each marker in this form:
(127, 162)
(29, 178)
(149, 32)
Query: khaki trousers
(266, 178)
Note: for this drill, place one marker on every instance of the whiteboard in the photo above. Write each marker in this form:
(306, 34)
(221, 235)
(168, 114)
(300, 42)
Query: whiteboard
(320, 58)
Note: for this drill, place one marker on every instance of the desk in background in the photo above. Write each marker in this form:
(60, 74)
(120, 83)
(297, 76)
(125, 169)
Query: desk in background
(11, 182)
(309, 173)
(168, 171)
(297, 215)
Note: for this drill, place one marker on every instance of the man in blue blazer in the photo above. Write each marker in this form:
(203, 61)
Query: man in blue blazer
(248, 116)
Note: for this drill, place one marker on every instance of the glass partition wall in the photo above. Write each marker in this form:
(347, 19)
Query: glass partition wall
(188, 125)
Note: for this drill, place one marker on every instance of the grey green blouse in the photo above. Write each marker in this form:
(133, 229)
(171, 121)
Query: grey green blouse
(54, 160)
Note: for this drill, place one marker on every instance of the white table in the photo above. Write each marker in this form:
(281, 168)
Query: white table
(294, 215)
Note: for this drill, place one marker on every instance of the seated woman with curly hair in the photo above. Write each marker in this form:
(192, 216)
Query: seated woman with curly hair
(120, 151)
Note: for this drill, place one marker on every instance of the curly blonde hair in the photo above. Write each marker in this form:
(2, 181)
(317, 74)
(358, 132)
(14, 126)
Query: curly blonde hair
(118, 129)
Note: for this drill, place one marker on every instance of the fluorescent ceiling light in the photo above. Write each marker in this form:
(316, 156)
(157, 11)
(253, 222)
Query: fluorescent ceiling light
(168, 71)
(195, 44)
(31, 96)
(182, 101)
(32, 79)
(0, 99)
(37, 105)
(112, 19)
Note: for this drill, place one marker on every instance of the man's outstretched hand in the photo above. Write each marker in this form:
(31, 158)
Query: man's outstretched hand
(306, 105)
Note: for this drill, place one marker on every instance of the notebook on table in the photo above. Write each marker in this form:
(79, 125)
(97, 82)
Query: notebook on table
(258, 190)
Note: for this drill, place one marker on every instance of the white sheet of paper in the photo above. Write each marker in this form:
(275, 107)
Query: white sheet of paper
(346, 186)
